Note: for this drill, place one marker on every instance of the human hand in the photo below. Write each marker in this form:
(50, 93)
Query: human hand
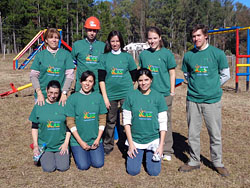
(36, 151)
(40, 99)
(107, 103)
(159, 150)
(85, 146)
(132, 151)
(95, 144)
(64, 149)
(63, 99)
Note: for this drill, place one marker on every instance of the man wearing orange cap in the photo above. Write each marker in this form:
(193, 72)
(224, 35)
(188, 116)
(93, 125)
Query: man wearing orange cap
(87, 51)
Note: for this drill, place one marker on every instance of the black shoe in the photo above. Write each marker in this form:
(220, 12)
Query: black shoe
(107, 152)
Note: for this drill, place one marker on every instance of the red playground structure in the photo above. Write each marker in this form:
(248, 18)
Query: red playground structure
(36, 50)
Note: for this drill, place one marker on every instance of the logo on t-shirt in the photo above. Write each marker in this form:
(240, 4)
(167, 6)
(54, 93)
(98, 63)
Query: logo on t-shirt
(89, 116)
(154, 69)
(53, 71)
(201, 70)
(91, 59)
(145, 115)
(115, 72)
(53, 125)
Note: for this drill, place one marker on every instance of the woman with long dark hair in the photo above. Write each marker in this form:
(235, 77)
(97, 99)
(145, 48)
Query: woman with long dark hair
(116, 76)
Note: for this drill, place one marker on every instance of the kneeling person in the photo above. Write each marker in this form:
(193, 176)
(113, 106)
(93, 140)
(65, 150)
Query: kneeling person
(49, 127)
(84, 111)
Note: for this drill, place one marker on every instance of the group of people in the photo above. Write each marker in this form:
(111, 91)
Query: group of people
(105, 81)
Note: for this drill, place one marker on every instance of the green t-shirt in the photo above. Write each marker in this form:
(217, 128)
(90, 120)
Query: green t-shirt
(145, 109)
(118, 80)
(204, 69)
(85, 109)
(159, 62)
(52, 67)
(87, 59)
(51, 121)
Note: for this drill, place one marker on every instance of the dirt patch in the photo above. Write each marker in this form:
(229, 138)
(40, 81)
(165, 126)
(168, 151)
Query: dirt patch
(17, 169)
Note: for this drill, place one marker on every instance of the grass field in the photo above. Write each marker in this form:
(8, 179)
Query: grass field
(17, 169)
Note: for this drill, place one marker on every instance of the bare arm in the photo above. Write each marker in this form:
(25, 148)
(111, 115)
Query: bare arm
(72, 126)
(172, 81)
(104, 94)
(97, 140)
(83, 144)
(34, 133)
(132, 151)
(162, 138)
(64, 146)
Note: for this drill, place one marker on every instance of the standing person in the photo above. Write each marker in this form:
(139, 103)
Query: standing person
(49, 127)
(87, 51)
(206, 69)
(116, 75)
(160, 61)
(145, 123)
(86, 119)
(53, 63)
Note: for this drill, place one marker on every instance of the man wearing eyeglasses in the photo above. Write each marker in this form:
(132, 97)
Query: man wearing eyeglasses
(86, 52)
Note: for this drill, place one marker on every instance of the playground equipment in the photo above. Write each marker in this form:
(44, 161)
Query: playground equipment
(36, 50)
(14, 90)
(247, 65)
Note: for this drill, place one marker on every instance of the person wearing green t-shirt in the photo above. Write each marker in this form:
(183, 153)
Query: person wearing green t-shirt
(49, 127)
(161, 62)
(206, 69)
(52, 63)
(145, 123)
(116, 76)
(85, 112)
(86, 52)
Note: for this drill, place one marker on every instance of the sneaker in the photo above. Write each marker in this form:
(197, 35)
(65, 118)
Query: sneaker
(187, 168)
(166, 157)
(222, 171)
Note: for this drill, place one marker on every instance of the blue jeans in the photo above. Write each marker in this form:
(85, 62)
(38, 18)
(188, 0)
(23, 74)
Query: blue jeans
(134, 165)
(86, 158)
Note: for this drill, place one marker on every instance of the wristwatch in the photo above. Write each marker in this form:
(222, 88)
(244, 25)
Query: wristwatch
(64, 92)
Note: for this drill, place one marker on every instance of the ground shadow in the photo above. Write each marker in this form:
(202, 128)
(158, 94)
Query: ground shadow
(121, 144)
(228, 89)
(181, 147)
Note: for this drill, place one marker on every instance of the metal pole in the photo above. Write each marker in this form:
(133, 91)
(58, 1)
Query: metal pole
(237, 61)
(248, 53)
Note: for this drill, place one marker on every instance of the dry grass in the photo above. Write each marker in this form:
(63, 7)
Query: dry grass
(17, 170)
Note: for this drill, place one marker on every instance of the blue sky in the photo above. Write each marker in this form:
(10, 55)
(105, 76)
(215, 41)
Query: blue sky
(244, 2)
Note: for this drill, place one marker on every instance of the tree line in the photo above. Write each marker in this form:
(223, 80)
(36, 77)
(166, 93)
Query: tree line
(21, 20)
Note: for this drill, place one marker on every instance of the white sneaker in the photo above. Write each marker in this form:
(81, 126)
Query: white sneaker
(166, 158)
